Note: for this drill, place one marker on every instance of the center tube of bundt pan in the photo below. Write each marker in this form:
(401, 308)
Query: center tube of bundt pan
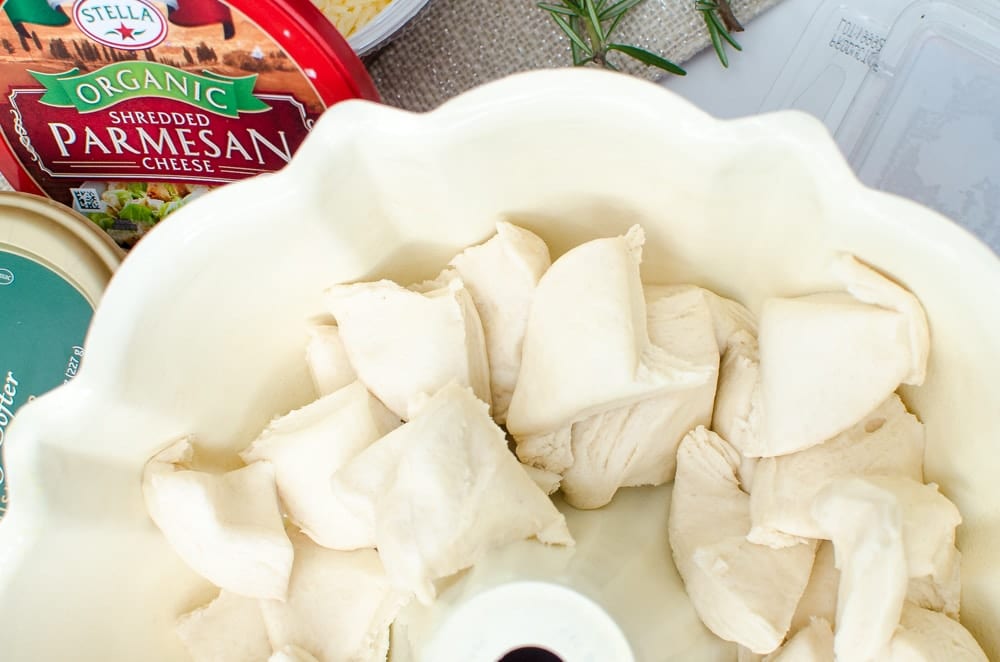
(529, 621)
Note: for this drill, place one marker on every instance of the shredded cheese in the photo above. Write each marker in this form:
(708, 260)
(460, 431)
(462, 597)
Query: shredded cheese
(349, 16)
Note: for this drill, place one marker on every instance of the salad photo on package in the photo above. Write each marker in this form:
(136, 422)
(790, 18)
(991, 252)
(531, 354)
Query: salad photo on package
(127, 210)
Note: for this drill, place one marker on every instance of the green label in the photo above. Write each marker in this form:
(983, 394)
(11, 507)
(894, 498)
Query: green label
(43, 321)
(37, 13)
(114, 83)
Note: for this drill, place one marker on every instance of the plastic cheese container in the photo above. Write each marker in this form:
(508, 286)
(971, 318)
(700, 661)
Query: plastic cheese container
(385, 25)
(54, 266)
(910, 90)
(125, 110)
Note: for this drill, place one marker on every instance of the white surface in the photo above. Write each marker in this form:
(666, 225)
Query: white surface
(930, 137)
(740, 90)
(202, 331)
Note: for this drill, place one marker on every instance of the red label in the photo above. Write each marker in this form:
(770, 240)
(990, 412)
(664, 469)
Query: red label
(154, 139)
(128, 136)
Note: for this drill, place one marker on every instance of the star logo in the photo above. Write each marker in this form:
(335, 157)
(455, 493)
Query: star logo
(125, 32)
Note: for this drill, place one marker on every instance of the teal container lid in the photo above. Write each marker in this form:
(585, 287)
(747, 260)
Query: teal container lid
(54, 266)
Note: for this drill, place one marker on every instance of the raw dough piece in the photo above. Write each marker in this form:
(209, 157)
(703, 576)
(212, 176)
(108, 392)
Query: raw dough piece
(405, 344)
(307, 446)
(743, 592)
(442, 490)
(501, 275)
(228, 629)
(326, 357)
(227, 527)
(889, 441)
(927, 636)
(586, 347)
(827, 360)
(339, 606)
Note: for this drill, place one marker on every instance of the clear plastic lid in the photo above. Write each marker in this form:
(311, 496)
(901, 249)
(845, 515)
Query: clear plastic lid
(926, 121)
(911, 91)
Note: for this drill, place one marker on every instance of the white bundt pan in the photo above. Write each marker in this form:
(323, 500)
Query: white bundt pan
(202, 331)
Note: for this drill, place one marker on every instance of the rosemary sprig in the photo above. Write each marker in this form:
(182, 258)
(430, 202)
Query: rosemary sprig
(721, 22)
(590, 24)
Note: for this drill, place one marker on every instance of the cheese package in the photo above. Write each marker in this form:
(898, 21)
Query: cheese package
(128, 110)
(54, 266)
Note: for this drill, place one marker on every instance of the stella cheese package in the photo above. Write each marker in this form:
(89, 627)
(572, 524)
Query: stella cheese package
(126, 110)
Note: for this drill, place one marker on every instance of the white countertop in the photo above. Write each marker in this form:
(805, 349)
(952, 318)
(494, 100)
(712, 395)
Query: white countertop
(918, 125)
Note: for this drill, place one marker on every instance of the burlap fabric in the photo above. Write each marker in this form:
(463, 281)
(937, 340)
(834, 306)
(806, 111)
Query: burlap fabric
(454, 45)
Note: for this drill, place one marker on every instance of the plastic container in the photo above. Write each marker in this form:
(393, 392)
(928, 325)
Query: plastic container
(910, 91)
(126, 111)
(385, 26)
(924, 122)
(54, 266)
